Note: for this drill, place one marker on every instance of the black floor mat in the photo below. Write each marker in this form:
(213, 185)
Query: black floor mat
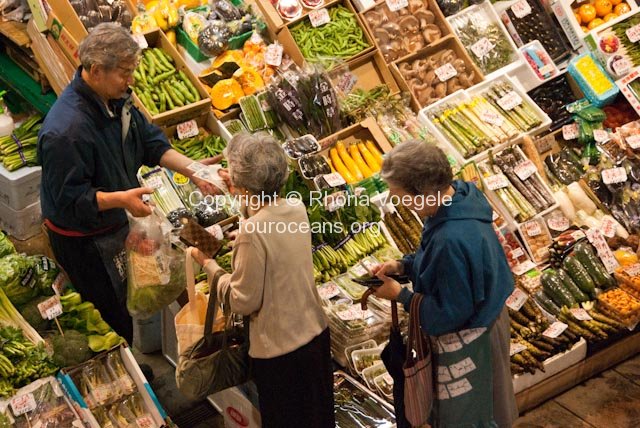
(201, 415)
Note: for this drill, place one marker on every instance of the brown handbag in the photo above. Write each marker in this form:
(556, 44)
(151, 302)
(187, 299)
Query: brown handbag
(418, 370)
(194, 235)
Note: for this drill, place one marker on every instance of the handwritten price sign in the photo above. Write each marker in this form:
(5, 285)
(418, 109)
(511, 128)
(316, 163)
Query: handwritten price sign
(23, 404)
(517, 299)
(497, 181)
(521, 9)
(50, 308)
(525, 170)
(187, 129)
(319, 17)
(614, 175)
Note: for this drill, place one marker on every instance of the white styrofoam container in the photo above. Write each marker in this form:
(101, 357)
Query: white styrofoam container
(168, 330)
(564, 12)
(21, 188)
(238, 405)
(21, 224)
(552, 366)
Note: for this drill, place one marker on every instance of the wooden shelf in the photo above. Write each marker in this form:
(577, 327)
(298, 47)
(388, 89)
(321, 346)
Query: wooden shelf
(16, 32)
(574, 375)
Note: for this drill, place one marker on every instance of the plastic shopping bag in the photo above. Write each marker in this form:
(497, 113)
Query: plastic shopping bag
(155, 270)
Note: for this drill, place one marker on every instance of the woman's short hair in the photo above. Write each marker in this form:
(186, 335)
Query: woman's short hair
(417, 167)
(257, 163)
(108, 45)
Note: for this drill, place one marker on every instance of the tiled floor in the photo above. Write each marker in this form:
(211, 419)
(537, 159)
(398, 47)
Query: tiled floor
(610, 400)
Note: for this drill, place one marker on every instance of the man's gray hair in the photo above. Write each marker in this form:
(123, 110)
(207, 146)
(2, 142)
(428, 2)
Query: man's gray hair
(417, 167)
(108, 45)
(257, 163)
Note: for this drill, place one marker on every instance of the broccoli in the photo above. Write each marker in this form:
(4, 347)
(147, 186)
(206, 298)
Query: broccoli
(71, 349)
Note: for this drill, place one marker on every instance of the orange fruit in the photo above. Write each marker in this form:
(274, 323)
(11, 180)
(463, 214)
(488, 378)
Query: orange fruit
(621, 9)
(609, 17)
(578, 17)
(603, 7)
(615, 2)
(587, 13)
(595, 23)
(585, 29)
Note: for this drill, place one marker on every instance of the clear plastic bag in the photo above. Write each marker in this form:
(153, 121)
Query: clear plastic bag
(155, 270)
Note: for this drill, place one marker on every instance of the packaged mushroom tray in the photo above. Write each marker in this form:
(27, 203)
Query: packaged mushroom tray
(402, 31)
(436, 71)
(491, 115)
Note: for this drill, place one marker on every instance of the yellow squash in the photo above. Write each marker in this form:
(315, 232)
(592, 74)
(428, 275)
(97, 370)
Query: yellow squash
(360, 163)
(348, 161)
(369, 158)
(340, 166)
(374, 151)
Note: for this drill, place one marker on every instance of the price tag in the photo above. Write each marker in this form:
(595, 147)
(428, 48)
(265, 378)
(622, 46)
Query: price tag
(446, 72)
(328, 290)
(580, 314)
(600, 135)
(521, 9)
(633, 141)
(482, 47)
(153, 182)
(396, 5)
(558, 223)
(335, 201)
(578, 234)
(570, 132)
(633, 33)
(525, 170)
(555, 330)
(346, 82)
(517, 299)
(608, 226)
(621, 66)
(145, 422)
(596, 239)
(517, 253)
(273, 55)
(140, 40)
(614, 175)
(354, 313)
(533, 228)
(546, 69)
(319, 17)
(496, 181)
(633, 270)
(216, 231)
(50, 308)
(334, 179)
(523, 268)
(516, 348)
(544, 144)
(23, 404)
(510, 101)
(187, 129)
(492, 118)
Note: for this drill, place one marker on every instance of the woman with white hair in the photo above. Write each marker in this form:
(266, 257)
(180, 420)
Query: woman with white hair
(462, 273)
(272, 283)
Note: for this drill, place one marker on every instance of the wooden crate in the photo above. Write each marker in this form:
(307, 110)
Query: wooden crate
(177, 115)
(369, 70)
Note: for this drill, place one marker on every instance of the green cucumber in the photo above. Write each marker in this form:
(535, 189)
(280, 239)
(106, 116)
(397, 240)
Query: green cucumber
(547, 304)
(572, 287)
(585, 255)
(579, 274)
(552, 285)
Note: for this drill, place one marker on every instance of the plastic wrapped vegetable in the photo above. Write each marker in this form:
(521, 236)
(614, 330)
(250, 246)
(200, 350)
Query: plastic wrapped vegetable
(214, 39)
(6, 246)
(155, 270)
(192, 24)
(18, 278)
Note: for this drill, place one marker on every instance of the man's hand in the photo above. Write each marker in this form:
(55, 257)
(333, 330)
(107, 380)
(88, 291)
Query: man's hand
(132, 201)
(392, 267)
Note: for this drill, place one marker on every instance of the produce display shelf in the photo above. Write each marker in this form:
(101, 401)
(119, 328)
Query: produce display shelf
(578, 373)
(24, 85)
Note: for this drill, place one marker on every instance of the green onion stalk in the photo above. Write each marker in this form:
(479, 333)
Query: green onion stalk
(164, 195)
(19, 148)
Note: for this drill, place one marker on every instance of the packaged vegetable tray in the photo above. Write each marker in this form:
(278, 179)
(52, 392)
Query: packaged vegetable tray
(594, 82)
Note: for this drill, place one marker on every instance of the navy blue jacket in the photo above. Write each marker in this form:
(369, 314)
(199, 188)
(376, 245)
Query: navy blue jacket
(460, 267)
(81, 151)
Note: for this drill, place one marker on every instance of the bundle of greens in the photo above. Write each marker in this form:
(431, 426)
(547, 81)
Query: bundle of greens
(19, 148)
(6, 246)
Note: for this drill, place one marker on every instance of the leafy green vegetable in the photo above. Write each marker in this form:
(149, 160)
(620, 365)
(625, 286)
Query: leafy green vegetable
(6, 246)
(18, 278)
(46, 271)
(31, 314)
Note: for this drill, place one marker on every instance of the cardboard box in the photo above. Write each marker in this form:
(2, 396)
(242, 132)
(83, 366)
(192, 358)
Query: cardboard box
(432, 6)
(40, 11)
(273, 19)
(65, 376)
(449, 42)
(207, 121)
(368, 71)
(368, 129)
(64, 38)
(286, 38)
(177, 115)
(67, 15)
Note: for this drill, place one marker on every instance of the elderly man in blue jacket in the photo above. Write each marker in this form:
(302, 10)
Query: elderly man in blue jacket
(90, 146)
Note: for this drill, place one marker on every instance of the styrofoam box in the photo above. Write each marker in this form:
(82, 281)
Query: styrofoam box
(168, 329)
(552, 366)
(238, 405)
(21, 224)
(21, 188)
